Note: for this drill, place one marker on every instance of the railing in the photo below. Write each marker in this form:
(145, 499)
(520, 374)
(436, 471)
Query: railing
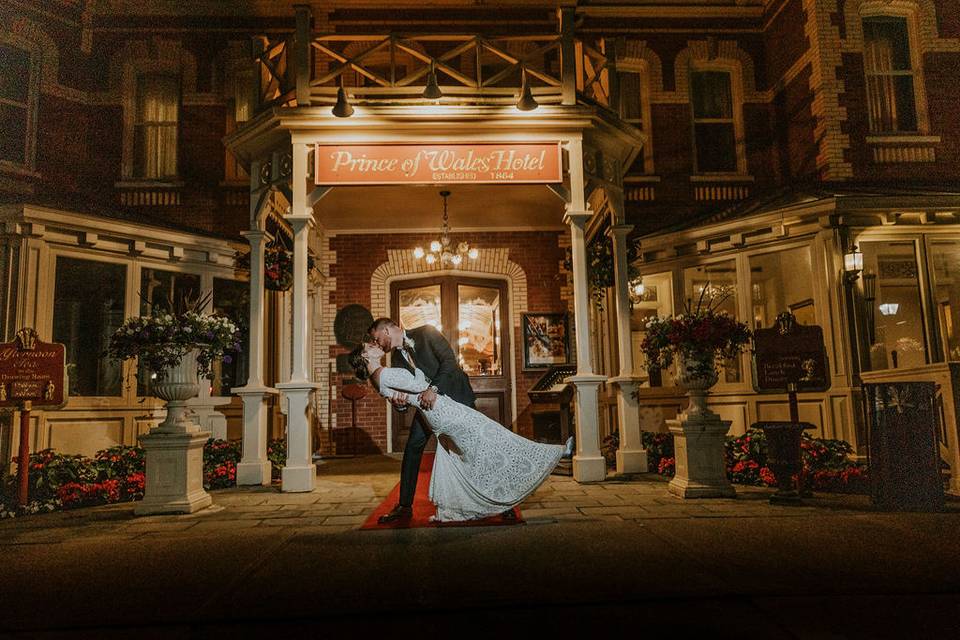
(305, 68)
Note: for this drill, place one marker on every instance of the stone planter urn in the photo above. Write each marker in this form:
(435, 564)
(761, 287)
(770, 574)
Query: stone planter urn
(784, 458)
(174, 448)
(699, 435)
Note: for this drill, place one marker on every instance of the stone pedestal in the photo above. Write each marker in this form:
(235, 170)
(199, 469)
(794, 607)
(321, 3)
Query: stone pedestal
(299, 473)
(698, 441)
(174, 480)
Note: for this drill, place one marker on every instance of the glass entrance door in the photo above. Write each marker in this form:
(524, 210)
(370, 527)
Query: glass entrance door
(471, 313)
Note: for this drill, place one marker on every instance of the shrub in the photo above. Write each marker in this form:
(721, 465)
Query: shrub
(220, 458)
(277, 455)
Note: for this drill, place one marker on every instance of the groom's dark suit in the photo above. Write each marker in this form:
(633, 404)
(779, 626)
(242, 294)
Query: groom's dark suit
(433, 356)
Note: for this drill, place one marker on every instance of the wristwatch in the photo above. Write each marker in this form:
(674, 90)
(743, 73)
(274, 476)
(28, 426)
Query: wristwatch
(433, 387)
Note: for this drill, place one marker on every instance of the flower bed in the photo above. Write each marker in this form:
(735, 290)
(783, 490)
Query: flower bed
(118, 474)
(826, 462)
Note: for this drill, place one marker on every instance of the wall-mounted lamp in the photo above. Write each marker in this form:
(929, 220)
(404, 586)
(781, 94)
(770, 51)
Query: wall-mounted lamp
(432, 90)
(889, 308)
(526, 101)
(343, 108)
(852, 264)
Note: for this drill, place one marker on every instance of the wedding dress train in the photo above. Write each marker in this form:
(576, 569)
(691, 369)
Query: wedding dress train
(495, 469)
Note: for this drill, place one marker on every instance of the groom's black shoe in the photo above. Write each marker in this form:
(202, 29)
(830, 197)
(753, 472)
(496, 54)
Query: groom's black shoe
(509, 515)
(396, 514)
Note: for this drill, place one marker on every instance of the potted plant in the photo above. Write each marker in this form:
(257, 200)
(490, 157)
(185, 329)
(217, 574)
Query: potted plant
(176, 348)
(695, 340)
(277, 265)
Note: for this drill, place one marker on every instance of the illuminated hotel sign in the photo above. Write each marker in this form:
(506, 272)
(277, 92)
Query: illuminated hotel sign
(511, 162)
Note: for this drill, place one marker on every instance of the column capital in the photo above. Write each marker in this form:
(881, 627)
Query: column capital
(577, 217)
(299, 221)
(253, 235)
(620, 230)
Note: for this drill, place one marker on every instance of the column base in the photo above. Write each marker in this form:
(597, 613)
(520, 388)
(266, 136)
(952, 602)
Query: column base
(254, 473)
(685, 488)
(299, 479)
(174, 481)
(589, 469)
(632, 461)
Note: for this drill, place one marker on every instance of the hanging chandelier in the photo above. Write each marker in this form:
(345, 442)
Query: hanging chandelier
(443, 250)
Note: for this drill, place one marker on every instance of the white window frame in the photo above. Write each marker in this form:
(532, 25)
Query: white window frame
(916, 66)
(736, 95)
(645, 125)
(131, 74)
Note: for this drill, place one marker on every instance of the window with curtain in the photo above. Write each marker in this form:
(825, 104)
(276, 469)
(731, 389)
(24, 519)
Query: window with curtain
(155, 126)
(891, 98)
(88, 305)
(782, 281)
(714, 130)
(631, 109)
(15, 102)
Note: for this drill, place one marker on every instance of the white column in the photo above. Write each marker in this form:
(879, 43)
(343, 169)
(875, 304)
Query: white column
(254, 468)
(588, 464)
(631, 456)
(299, 474)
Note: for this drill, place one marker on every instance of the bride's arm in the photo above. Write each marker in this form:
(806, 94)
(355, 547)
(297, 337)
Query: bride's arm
(401, 380)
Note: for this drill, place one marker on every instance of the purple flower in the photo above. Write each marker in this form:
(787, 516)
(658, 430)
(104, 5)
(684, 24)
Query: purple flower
(227, 359)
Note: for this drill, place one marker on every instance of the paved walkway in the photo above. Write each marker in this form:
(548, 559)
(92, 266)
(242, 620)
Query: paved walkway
(591, 558)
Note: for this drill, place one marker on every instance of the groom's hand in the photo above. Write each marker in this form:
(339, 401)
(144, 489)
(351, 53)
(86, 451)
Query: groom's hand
(399, 401)
(428, 398)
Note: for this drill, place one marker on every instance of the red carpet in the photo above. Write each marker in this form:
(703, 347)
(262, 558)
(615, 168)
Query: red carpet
(423, 508)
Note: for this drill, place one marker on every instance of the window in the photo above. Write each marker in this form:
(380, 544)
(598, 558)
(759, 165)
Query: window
(781, 281)
(155, 127)
(945, 257)
(16, 105)
(635, 109)
(163, 291)
(714, 285)
(479, 330)
(242, 111)
(652, 297)
(895, 318)
(231, 298)
(891, 97)
(714, 129)
(88, 307)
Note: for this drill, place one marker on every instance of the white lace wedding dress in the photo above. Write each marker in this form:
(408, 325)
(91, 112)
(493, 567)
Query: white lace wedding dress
(497, 468)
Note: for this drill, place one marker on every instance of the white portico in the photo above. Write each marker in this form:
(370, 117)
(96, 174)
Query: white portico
(279, 146)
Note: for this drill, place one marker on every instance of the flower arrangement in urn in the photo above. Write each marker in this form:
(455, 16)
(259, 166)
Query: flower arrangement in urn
(696, 339)
(163, 339)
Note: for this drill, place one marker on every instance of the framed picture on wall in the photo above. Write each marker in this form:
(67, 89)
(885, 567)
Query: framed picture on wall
(546, 340)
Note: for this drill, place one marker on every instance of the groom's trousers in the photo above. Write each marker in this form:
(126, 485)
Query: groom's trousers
(412, 455)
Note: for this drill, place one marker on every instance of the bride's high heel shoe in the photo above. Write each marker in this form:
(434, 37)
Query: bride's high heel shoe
(568, 448)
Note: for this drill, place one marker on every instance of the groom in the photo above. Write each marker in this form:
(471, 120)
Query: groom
(424, 348)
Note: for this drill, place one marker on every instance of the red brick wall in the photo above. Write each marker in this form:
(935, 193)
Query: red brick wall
(357, 256)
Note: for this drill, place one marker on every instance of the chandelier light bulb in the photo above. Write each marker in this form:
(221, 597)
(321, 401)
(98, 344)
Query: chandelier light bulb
(418, 253)
(473, 253)
(435, 246)
(431, 258)
(638, 288)
(456, 259)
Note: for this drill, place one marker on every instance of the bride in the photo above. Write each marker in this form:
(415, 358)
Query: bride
(488, 469)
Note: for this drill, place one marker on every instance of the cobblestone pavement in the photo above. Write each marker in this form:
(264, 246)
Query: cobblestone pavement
(622, 556)
(349, 489)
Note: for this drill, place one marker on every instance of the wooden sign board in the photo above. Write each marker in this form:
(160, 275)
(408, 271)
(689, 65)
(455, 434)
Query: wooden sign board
(794, 356)
(452, 163)
(32, 370)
